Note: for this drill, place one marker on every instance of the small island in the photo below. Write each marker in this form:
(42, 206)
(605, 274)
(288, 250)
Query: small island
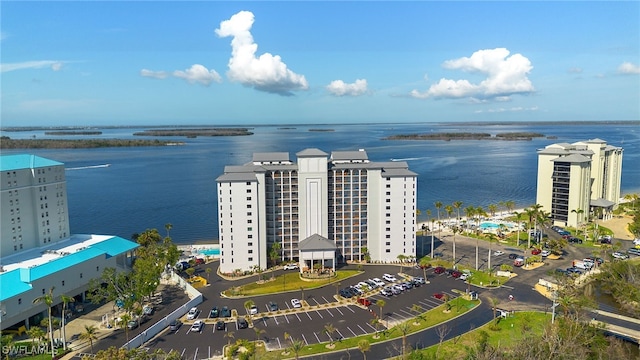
(8, 143)
(321, 130)
(466, 136)
(192, 133)
(73, 132)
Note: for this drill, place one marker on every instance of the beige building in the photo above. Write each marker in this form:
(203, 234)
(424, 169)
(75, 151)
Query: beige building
(344, 203)
(578, 181)
(38, 252)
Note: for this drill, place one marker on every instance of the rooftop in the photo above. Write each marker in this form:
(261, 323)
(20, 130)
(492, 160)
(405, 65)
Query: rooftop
(24, 161)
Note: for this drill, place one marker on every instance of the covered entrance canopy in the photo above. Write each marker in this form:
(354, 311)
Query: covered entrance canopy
(319, 251)
(602, 208)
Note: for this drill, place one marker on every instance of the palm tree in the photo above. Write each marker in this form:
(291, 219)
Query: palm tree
(47, 299)
(491, 237)
(168, 227)
(438, 205)
(424, 264)
(402, 258)
(229, 335)
(457, 205)
(469, 212)
(449, 210)
(381, 303)
(364, 346)
(124, 323)
(455, 229)
(510, 204)
(531, 213)
(517, 214)
(433, 220)
(330, 329)
(494, 305)
(493, 208)
(258, 332)
(405, 329)
(65, 300)
(90, 333)
(36, 333)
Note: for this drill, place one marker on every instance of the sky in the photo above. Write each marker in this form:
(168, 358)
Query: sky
(90, 63)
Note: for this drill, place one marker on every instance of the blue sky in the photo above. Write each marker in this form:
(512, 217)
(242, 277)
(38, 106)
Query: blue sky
(159, 62)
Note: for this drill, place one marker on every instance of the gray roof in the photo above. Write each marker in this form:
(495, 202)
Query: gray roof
(237, 177)
(601, 203)
(596, 141)
(573, 158)
(349, 155)
(397, 173)
(271, 157)
(316, 242)
(552, 151)
(311, 152)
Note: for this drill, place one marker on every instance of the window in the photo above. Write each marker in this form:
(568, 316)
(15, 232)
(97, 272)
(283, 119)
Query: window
(250, 251)
(388, 200)
(62, 282)
(249, 213)
(248, 206)
(249, 244)
(250, 259)
(248, 191)
(250, 236)
(248, 182)
(80, 275)
(388, 243)
(248, 198)
(250, 221)
(388, 250)
(19, 301)
(388, 236)
(388, 207)
(42, 291)
(249, 228)
(388, 229)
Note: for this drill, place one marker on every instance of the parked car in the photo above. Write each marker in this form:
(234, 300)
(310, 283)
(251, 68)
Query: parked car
(364, 301)
(346, 293)
(498, 253)
(175, 325)
(634, 251)
(296, 303)
(389, 278)
(197, 326)
(535, 251)
(378, 282)
(439, 296)
(133, 323)
(214, 313)
(439, 270)
(292, 266)
(398, 287)
(418, 279)
(464, 276)
(636, 241)
(545, 253)
(147, 310)
(619, 255)
(386, 292)
(395, 290)
(273, 306)
(199, 261)
(519, 261)
(221, 325)
(253, 309)
(513, 256)
(242, 323)
(192, 314)
(561, 271)
(456, 274)
(575, 240)
(225, 312)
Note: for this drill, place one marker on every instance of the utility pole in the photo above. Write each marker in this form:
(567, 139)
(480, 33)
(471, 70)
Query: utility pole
(554, 296)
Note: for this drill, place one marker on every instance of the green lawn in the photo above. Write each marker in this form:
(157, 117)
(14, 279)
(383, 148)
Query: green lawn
(287, 282)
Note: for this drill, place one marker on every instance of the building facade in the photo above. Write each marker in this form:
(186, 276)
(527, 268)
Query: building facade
(38, 252)
(365, 209)
(578, 181)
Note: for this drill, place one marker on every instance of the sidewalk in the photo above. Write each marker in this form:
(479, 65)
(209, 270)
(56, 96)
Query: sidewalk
(91, 317)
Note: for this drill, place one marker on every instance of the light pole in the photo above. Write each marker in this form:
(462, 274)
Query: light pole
(554, 296)
(424, 227)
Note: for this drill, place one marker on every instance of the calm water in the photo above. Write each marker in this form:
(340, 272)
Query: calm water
(149, 187)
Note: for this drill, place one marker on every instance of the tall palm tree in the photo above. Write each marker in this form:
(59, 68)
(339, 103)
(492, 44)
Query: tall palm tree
(457, 205)
(494, 305)
(432, 231)
(491, 237)
(364, 346)
(381, 303)
(47, 299)
(65, 300)
(248, 304)
(493, 208)
(517, 215)
(455, 229)
(168, 227)
(90, 333)
(469, 212)
(449, 210)
(330, 329)
(510, 205)
(438, 205)
(531, 214)
(405, 328)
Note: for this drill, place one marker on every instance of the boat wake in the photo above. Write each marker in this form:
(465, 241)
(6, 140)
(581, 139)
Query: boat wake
(407, 159)
(89, 167)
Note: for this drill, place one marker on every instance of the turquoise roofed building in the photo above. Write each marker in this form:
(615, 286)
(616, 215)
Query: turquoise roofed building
(38, 251)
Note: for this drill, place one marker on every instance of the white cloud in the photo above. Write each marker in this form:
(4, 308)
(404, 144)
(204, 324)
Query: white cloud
(575, 70)
(266, 72)
(39, 64)
(198, 74)
(505, 75)
(628, 68)
(340, 88)
(513, 109)
(153, 74)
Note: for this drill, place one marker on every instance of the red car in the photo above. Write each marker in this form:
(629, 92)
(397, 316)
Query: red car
(456, 274)
(199, 261)
(439, 296)
(535, 251)
(439, 270)
(364, 301)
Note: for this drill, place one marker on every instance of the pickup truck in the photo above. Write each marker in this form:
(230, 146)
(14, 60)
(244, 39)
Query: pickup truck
(583, 265)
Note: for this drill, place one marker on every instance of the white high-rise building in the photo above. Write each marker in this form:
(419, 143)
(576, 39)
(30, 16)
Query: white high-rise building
(38, 253)
(580, 180)
(319, 210)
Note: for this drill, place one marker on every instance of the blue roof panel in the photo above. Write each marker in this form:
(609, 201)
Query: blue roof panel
(115, 246)
(25, 161)
(10, 285)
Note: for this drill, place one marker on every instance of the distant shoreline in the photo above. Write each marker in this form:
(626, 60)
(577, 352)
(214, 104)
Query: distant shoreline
(515, 136)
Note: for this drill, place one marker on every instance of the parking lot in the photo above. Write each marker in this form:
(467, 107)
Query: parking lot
(321, 307)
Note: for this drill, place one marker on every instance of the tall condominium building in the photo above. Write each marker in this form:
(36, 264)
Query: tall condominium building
(38, 253)
(34, 208)
(321, 210)
(579, 180)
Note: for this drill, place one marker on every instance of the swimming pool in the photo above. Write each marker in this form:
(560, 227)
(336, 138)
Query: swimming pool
(209, 252)
(493, 226)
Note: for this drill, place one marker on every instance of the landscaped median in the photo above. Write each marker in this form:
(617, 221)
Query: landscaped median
(422, 321)
(286, 282)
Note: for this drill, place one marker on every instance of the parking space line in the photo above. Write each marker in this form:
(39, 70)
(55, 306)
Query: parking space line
(339, 311)
(305, 339)
(318, 312)
(317, 338)
(316, 301)
(330, 313)
(182, 353)
(298, 317)
(372, 328)
(363, 331)
(407, 312)
(275, 318)
(339, 333)
(310, 318)
(354, 334)
(353, 311)
(325, 300)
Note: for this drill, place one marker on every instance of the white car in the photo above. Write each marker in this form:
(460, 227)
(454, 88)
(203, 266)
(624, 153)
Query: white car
(291, 266)
(464, 276)
(389, 278)
(545, 253)
(192, 314)
(378, 282)
(253, 310)
(636, 241)
(619, 255)
(296, 303)
(498, 253)
(197, 326)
